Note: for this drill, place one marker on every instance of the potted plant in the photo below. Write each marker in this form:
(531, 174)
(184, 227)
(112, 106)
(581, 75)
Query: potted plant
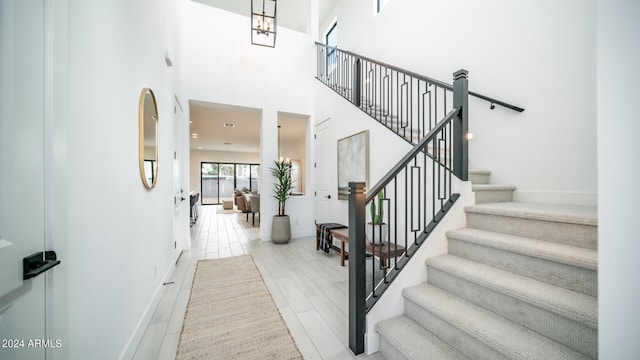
(281, 225)
(377, 230)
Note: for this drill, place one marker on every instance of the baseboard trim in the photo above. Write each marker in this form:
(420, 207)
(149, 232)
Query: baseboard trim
(294, 235)
(301, 234)
(132, 345)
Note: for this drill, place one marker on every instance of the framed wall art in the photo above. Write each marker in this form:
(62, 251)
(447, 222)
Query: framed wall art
(353, 162)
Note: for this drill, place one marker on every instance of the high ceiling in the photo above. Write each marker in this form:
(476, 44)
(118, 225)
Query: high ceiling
(208, 119)
(292, 14)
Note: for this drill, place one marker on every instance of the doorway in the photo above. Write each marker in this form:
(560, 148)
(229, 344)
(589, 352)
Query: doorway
(219, 180)
(323, 163)
(26, 211)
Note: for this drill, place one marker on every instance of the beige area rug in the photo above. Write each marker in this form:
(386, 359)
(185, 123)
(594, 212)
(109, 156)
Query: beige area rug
(231, 315)
(220, 210)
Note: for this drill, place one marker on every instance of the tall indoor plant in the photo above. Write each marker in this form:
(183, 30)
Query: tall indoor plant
(281, 225)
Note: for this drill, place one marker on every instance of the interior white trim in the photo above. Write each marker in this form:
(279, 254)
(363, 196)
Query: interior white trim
(48, 123)
(135, 339)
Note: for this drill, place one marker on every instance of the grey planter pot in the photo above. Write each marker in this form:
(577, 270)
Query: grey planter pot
(281, 229)
(373, 232)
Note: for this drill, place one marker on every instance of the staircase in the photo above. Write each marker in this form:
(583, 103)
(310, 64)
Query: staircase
(519, 282)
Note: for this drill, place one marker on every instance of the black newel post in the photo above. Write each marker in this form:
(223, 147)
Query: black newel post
(357, 83)
(357, 314)
(461, 125)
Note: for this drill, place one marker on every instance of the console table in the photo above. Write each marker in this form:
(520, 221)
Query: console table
(384, 252)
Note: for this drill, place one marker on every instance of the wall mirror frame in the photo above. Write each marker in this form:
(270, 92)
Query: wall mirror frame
(148, 138)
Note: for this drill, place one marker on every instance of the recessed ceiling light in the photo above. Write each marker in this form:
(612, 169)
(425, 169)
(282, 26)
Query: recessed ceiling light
(194, 135)
(229, 125)
(199, 147)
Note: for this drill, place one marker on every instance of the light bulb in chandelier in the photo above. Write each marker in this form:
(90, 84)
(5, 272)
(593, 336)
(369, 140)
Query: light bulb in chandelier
(264, 22)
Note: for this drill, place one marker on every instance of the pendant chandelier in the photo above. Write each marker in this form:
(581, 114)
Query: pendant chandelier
(263, 22)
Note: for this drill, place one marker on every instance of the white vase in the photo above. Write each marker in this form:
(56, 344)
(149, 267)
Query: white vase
(377, 234)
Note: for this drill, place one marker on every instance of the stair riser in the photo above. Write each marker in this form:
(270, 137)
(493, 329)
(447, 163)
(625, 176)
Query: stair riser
(388, 350)
(493, 196)
(565, 233)
(567, 276)
(568, 332)
(454, 336)
(403, 338)
(479, 179)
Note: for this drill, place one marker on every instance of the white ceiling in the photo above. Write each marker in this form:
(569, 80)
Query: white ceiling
(292, 14)
(208, 122)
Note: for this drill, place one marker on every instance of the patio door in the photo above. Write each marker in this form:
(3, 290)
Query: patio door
(219, 180)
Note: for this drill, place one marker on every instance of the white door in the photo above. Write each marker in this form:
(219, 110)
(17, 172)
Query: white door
(180, 197)
(22, 178)
(323, 168)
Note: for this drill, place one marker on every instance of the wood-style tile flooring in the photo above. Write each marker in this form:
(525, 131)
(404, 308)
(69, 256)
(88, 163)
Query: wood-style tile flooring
(309, 287)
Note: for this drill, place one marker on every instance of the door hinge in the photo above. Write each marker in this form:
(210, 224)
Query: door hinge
(315, 136)
(175, 155)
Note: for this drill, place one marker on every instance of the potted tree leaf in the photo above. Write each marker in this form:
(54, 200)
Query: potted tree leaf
(281, 225)
(377, 229)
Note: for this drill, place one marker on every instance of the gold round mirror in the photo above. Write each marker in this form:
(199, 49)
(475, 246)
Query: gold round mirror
(148, 141)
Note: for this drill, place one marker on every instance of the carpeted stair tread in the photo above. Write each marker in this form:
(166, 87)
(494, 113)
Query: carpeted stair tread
(492, 187)
(570, 304)
(506, 337)
(562, 253)
(413, 341)
(573, 214)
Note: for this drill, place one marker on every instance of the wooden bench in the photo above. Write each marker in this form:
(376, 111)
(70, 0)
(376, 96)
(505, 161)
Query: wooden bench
(384, 252)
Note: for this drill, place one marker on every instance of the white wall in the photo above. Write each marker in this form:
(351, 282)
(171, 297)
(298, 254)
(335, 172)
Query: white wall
(618, 195)
(385, 147)
(539, 55)
(296, 150)
(221, 66)
(119, 236)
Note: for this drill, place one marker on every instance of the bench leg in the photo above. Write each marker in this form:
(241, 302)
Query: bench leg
(343, 254)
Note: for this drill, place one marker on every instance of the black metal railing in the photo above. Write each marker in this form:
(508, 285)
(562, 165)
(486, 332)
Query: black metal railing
(409, 201)
(416, 194)
(405, 102)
